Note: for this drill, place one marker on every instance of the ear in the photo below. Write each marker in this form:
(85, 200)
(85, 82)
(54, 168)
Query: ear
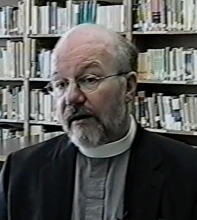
(131, 85)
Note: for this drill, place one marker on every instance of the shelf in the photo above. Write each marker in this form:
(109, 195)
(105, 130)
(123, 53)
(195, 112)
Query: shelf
(11, 121)
(164, 33)
(39, 80)
(2, 158)
(167, 82)
(162, 131)
(11, 79)
(36, 36)
(193, 133)
(111, 1)
(11, 124)
(11, 36)
(14, 144)
(44, 36)
(44, 123)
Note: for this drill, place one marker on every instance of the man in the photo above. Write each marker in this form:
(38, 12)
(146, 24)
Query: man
(106, 167)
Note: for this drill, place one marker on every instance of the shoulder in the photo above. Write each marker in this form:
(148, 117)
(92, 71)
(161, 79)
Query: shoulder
(174, 153)
(39, 153)
(170, 145)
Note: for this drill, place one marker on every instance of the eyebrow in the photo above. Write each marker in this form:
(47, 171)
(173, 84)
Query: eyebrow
(85, 67)
(55, 75)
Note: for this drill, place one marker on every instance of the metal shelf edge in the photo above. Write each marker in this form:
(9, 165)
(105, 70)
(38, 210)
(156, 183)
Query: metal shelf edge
(162, 131)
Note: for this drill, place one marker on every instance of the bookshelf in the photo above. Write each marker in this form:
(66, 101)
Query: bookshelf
(11, 145)
(41, 40)
(57, 36)
(164, 33)
(38, 41)
(12, 35)
(145, 40)
(165, 36)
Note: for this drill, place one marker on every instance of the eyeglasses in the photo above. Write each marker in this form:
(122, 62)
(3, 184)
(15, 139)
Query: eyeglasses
(86, 84)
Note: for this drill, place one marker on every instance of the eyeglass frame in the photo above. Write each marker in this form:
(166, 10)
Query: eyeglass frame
(97, 78)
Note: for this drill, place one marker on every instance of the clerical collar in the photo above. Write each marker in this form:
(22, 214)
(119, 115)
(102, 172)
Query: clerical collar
(114, 148)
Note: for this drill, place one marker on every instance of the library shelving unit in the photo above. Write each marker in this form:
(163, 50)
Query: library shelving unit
(165, 35)
(41, 30)
(133, 29)
(12, 65)
(39, 38)
(10, 145)
(41, 41)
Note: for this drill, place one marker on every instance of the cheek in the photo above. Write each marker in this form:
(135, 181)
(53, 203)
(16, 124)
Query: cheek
(101, 101)
(60, 105)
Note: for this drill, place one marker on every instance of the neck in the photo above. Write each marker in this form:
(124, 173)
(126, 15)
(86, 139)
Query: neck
(113, 148)
(120, 133)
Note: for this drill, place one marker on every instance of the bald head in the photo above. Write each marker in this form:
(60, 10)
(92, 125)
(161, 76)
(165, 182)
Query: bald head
(90, 33)
(91, 40)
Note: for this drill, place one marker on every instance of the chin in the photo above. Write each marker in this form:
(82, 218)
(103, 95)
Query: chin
(86, 136)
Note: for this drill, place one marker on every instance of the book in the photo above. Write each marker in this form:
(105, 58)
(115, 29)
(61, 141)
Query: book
(12, 19)
(10, 133)
(42, 107)
(12, 53)
(168, 64)
(12, 103)
(165, 15)
(55, 19)
(172, 113)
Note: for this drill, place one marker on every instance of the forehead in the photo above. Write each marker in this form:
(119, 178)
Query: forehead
(84, 48)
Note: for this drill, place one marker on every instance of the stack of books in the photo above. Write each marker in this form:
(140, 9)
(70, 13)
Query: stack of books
(172, 113)
(55, 19)
(12, 60)
(175, 64)
(12, 19)
(43, 107)
(165, 15)
(12, 103)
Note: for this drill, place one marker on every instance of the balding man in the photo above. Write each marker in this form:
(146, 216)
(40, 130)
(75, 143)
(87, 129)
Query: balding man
(105, 166)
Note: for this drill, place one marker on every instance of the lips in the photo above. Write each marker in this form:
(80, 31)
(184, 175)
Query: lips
(77, 118)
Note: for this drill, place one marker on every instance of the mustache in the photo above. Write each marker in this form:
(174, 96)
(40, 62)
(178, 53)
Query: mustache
(73, 113)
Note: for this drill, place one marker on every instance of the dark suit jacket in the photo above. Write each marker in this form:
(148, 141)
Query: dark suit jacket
(161, 181)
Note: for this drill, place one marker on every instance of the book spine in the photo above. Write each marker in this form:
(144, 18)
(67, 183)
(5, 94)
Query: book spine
(33, 58)
(54, 17)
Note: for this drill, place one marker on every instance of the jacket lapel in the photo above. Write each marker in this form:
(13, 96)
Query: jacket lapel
(57, 183)
(144, 182)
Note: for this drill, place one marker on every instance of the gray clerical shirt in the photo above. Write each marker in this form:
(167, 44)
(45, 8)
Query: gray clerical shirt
(100, 179)
(99, 187)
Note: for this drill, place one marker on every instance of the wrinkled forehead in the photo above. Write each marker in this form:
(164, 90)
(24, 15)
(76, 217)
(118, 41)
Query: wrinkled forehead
(84, 47)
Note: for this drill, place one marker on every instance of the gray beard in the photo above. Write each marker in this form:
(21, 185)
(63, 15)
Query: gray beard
(89, 135)
(93, 132)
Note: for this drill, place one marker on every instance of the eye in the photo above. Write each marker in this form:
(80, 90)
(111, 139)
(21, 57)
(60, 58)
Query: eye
(89, 80)
(59, 85)
(49, 88)
(59, 88)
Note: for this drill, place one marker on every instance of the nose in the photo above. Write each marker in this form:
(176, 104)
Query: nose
(74, 95)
